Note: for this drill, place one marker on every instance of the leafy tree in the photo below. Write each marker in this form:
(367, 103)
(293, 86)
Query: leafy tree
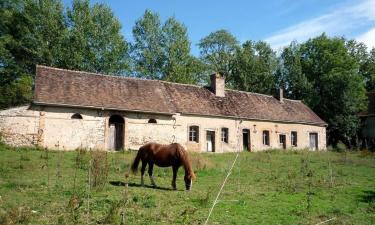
(94, 41)
(254, 66)
(179, 66)
(338, 91)
(162, 51)
(30, 33)
(147, 50)
(290, 75)
(368, 70)
(365, 61)
(218, 52)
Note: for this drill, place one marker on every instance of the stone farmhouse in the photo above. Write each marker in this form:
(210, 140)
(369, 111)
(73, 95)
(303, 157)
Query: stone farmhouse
(73, 109)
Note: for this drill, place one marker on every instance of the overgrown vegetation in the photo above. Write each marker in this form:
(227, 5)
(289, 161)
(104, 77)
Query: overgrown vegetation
(330, 74)
(272, 187)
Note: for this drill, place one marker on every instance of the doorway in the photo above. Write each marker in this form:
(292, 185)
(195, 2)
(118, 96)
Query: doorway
(210, 141)
(282, 141)
(313, 141)
(246, 140)
(116, 132)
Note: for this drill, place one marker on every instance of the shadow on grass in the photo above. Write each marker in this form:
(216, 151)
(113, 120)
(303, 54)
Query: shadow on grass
(122, 184)
(367, 196)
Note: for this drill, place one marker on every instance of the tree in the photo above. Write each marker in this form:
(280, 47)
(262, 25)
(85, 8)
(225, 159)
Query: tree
(368, 70)
(94, 42)
(31, 33)
(338, 91)
(147, 50)
(179, 66)
(290, 75)
(218, 52)
(365, 61)
(254, 66)
(162, 51)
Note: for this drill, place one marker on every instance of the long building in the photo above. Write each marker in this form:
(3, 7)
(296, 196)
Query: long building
(73, 109)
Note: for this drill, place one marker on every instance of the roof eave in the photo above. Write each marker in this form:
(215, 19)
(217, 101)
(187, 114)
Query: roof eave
(101, 108)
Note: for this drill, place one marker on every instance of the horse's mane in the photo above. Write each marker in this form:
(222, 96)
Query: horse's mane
(185, 159)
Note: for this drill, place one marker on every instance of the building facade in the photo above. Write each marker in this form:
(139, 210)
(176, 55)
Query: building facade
(74, 109)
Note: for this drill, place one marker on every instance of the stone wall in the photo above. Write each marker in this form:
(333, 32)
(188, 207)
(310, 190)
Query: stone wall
(53, 127)
(19, 126)
(256, 128)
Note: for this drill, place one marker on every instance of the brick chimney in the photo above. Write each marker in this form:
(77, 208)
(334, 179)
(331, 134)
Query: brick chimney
(218, 84)
(280, 97)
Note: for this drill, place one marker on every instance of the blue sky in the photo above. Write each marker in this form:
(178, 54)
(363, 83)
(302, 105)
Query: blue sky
(276, 21)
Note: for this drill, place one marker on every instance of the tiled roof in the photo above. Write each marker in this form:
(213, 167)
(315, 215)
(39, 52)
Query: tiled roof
(72, 88)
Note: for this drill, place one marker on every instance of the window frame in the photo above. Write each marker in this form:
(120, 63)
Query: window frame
(193, 133)
(294, 138)
(266, 138)
(225, 134)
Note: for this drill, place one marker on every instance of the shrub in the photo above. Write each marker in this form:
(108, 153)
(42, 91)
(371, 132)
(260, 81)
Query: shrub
(98, 169)
(16, 215)
(341, 147)
(199, 162)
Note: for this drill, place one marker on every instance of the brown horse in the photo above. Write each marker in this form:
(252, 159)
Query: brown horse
(173, 155)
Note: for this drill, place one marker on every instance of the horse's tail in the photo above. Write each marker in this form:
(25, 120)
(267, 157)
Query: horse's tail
(135, 163)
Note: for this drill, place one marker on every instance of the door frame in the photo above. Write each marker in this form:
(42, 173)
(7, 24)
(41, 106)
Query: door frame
(247, 131)
(283, 145)
(316, 147)
(119, 132)
(211, 133)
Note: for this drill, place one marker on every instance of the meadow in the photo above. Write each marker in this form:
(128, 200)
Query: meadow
(273, 187)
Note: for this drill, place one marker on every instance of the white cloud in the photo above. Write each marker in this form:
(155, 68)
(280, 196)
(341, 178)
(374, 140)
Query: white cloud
(368, 38)
(343, 18)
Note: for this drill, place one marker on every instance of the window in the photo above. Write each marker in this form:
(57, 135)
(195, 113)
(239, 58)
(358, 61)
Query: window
(293, 138)
(76, 116)
(152, 120)
(194, 133)
(224, 135)
(266, 137)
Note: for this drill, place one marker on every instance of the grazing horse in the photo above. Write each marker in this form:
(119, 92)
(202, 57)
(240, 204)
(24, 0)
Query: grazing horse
(173, 155)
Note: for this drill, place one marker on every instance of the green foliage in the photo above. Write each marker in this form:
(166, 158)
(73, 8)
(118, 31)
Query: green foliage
(41, 32)
(253, 68)
(290, 75)
(311, 187)
(324, 73)
(218, 52)
(368, 70)
(30, 33)
(94, 42)
(18, 91)
(162, 51)
(147, 50)
(340, 147)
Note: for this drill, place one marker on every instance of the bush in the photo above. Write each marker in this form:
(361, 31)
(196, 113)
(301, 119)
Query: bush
(99, 169)
(341, 147)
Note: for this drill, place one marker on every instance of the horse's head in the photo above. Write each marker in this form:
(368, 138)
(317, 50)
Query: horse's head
(189, 180)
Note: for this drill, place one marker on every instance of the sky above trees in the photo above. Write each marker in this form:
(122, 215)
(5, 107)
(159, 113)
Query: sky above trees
(277, 22)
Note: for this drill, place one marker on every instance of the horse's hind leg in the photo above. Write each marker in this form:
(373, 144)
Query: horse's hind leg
(150, 168)
(143, 169)
(175, 169)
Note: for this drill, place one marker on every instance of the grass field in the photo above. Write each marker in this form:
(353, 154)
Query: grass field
(275, 187)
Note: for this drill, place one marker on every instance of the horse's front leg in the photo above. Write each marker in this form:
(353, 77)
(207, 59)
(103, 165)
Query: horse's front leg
(175, 170)
(143, 169)
(150, 168)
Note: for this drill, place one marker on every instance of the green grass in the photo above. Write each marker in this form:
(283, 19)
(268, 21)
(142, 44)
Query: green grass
(275, 187)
